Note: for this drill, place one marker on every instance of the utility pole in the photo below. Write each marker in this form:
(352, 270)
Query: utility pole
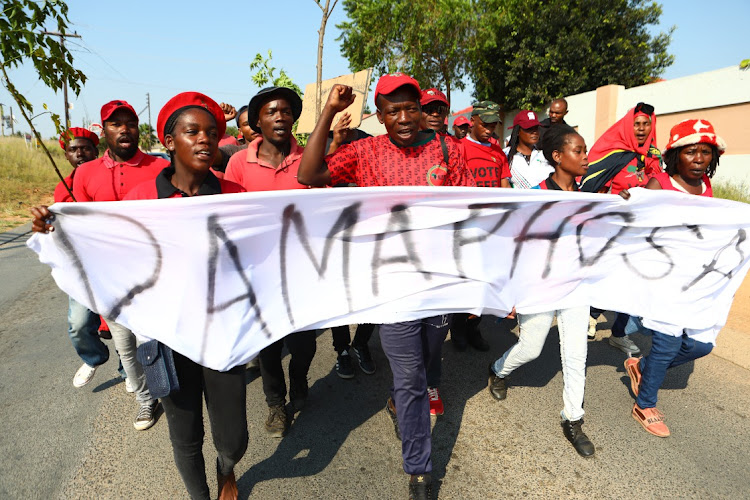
(11, 121)
(148, 103)
(2, 120)
(63, 36)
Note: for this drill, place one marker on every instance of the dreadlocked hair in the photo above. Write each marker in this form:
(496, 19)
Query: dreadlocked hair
(554, 140)
(513, 144)
(672, 159)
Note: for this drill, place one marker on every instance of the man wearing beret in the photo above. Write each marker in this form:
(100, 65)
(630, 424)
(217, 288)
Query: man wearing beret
(270, 163)
(80, 145)
(109, 178)
(405, 156)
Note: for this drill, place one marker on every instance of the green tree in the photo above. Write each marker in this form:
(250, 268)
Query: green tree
(232, 130)
(543, 49)
(22, 23)
(147, 137)
(264, 74)
(430, 40)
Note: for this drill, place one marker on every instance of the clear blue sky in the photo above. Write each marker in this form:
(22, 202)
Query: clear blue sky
(165, 47)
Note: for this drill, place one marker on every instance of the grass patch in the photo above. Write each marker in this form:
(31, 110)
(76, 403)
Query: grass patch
(26, 179)
(735, 192)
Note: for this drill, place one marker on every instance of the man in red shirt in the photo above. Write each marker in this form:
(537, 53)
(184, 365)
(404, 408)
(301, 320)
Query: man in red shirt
(269, 163)
(80, 145)
(461, 127)
(489, 166)
(435, 109)
(484, 156)
(109, 178)
(405, 156)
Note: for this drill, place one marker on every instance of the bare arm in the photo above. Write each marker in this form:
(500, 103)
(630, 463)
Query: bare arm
(312, 169)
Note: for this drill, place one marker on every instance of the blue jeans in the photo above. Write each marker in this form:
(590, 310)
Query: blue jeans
(667, 351)
(409, 346)
(83, 330)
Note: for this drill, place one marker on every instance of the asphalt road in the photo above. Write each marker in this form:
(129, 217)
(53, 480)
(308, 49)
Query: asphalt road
(62, 442)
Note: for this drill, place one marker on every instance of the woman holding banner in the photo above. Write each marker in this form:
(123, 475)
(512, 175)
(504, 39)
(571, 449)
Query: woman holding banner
(566, 150)
(190, 125)
(691, 156)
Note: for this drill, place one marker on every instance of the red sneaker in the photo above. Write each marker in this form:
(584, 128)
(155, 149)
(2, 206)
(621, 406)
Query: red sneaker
(633, 369)
(652, 420)
(436, 403)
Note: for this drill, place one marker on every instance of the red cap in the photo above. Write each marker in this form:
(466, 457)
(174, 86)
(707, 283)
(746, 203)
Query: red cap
(461, 120)
(526, 119)
(389, 83)
(432, 95)
(76, 133)
(689, 132)
(195, 99)
(113, 106)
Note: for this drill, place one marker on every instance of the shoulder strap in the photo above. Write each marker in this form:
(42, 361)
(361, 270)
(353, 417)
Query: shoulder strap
(445, 149)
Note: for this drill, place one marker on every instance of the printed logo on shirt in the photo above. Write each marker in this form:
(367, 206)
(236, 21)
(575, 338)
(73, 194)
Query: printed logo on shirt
(436, 175)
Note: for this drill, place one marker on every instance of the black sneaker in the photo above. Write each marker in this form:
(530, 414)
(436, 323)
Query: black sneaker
(344, 368)
(420, 487)
(277, 422)
(578, 439)
(390, 408)
(498, 386)
(366, 364)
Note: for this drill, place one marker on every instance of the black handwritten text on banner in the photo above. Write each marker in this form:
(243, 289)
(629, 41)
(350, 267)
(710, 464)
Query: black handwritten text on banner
(219, 277)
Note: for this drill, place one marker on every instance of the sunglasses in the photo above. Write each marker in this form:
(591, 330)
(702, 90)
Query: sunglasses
(642, 107)
(431, 109)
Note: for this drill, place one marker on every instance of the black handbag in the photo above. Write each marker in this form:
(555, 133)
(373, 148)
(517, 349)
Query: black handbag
(158, 365)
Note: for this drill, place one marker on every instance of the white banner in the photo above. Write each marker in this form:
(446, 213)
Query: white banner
(218, 278)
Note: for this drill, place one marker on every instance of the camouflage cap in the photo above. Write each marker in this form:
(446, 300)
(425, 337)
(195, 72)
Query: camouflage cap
(488, 111)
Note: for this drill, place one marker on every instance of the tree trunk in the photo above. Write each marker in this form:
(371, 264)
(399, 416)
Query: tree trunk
(319, 77)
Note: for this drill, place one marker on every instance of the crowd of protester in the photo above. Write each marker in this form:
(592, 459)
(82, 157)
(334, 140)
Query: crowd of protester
(547, 154)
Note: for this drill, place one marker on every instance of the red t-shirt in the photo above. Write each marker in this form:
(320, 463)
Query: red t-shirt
(162, 187)
(376, 161)
(228, 140)
(665, 183)
(62, 194)
(488, 164)
(104, 179)
(255, 174)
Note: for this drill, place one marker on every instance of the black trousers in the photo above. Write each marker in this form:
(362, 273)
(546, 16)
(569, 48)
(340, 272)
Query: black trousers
(226, 404)
(301, 346)
(342, 337)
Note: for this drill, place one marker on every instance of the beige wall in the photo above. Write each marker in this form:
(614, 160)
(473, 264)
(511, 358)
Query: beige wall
(731, 122)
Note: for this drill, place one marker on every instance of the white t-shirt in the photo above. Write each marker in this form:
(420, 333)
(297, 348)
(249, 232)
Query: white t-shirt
(526, 175)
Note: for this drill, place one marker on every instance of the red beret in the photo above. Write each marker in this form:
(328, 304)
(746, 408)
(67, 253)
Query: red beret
(77, 133)
(389, 83)
(190, 99)
(432, 95)
(113, 106)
